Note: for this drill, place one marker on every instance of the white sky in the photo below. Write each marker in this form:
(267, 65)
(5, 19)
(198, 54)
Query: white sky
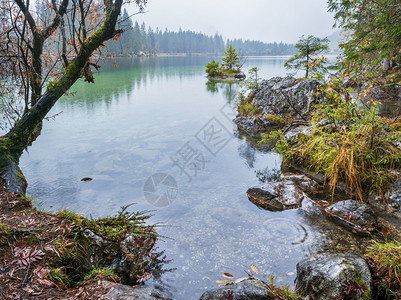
(265, 20)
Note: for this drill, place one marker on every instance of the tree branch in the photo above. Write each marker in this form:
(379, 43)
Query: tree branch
(19, 136)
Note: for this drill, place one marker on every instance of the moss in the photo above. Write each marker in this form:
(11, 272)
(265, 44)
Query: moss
(52, 85)
(22, 178)
(70, 216)
(248, 109)
(275, 120)
(367, 293)
(102, 274)
(5, 151)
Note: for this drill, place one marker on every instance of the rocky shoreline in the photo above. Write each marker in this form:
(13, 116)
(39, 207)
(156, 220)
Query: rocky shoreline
(321, 276)
(66, 256)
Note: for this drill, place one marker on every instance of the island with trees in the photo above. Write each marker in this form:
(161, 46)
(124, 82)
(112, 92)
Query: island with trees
(229, 69)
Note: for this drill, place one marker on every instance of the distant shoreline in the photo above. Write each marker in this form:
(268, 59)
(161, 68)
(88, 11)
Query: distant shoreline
(201, 55)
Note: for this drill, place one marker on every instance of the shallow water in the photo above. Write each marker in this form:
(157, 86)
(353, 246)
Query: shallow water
(154, 132)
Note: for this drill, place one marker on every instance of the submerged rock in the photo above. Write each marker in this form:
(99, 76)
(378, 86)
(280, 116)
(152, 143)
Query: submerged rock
(280, 97)
(276, 196)
(326, 276)
(125, 292)
(241, 289)
(354, 216)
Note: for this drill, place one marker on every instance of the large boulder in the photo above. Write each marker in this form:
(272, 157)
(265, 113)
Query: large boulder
(285, 194)
(354, 216)
(241, 289)
(279, 97)
(125, 292)
(332, 276)
(126, 258)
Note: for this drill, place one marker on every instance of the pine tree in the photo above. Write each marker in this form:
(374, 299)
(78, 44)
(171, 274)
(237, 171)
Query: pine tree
(309, 49)
(230, 59)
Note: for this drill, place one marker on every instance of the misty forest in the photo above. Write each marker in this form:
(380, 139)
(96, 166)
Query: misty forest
(228, 156)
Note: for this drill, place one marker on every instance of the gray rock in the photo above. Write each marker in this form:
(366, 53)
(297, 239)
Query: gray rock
(394, 195)
(240, 76)
(252, 125)
(354, 216)
(242, 289)
(282, 97)
(323, 276)
(286, 96)
(293, 135)
(125, 292)
(276, 196)
(285, 83)
(305, 183)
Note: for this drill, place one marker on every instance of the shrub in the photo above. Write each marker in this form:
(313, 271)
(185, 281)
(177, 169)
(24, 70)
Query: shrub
(385, 260)
(349, 144)
(213, 69)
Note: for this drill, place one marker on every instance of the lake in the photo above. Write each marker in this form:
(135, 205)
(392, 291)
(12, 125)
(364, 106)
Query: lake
(154, 132)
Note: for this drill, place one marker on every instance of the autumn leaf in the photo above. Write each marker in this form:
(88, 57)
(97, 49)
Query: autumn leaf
(26, 257)
(144, 277)
(222, 282)
(130, 257)
(227, 275)
(254, 269)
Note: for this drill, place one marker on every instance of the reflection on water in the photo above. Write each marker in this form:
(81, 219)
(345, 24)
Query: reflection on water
(229, 89)
(130, 125)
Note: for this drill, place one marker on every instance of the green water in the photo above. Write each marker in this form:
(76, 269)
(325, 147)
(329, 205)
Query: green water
(161, 116)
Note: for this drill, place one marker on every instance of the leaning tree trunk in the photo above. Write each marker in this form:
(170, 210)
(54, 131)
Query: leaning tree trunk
(22, 134)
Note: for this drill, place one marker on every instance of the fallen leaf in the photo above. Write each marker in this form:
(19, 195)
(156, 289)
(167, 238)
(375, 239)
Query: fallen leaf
(227, 275)
(254, 269)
